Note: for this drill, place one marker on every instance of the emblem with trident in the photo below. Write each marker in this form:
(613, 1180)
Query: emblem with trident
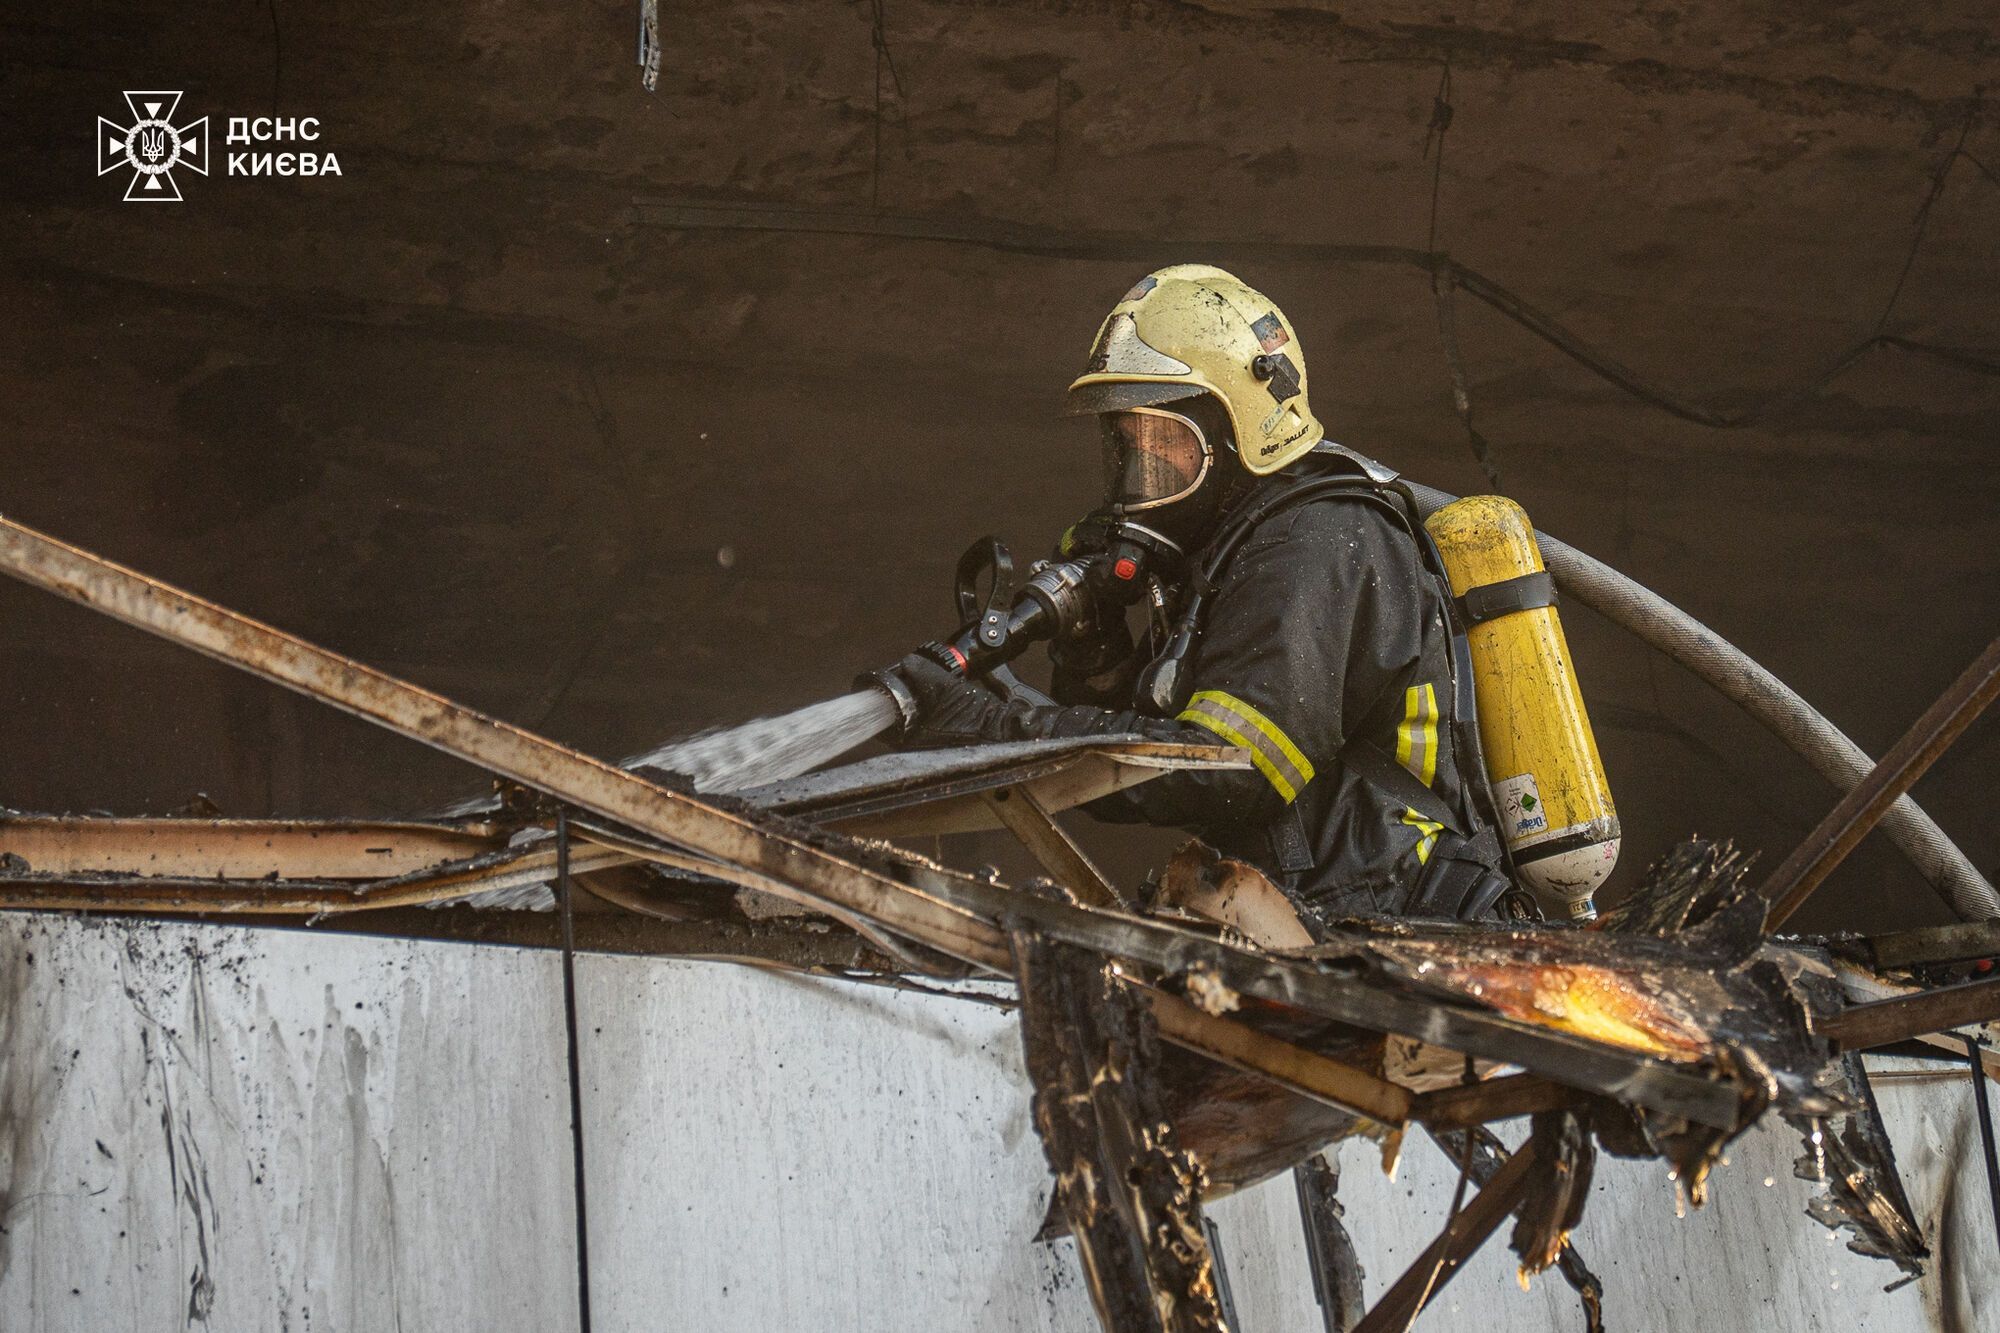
(152, 146)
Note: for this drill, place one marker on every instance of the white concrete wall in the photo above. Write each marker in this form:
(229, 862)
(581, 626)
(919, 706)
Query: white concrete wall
(240, 1130)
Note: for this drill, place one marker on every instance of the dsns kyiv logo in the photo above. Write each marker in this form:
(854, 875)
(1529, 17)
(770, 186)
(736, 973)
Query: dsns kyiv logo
(152, 147)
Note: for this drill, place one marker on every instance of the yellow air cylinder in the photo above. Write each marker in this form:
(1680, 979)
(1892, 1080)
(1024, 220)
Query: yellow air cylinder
(1548, 784)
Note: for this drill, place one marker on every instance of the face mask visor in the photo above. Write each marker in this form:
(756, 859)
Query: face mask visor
(1152, 457)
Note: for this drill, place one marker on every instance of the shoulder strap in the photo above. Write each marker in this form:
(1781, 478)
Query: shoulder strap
(1393, 496)
(1239, 525)
(1375, 470)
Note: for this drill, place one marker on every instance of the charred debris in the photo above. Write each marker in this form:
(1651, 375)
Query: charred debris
(1184, 1042)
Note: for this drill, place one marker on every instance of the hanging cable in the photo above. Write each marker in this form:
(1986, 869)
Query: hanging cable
(884, 60)
(575, 1069)
(1985, 1129)
(1451, 1218)
(1444, 283)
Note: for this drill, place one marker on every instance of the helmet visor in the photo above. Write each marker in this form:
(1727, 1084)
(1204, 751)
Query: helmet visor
(1151, 457)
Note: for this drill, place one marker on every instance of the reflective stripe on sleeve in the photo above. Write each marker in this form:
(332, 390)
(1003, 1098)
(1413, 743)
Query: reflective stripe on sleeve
(1427, 833)
(1417, 733)
(1270, 749)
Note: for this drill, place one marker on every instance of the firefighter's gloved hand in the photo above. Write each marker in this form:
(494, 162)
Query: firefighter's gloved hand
(1097, 647)
(951, 710)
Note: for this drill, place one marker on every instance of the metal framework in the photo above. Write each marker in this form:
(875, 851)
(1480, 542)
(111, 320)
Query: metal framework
(1310, 1024)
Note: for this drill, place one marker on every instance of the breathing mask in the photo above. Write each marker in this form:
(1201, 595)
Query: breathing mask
(1153, 457)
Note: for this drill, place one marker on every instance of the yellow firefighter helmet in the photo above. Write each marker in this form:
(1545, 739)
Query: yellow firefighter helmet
(1192, 328)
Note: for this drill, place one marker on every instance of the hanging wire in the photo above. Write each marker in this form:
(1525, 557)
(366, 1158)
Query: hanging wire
(1545, 327)
(1451, 1218)
(884, 60)
(575, 1068)
(1979, 1100)
(1441, 114)
(1444, 282)
(1922, 221)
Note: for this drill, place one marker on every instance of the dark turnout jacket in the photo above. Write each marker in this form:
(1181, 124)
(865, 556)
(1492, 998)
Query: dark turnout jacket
(1326, 653)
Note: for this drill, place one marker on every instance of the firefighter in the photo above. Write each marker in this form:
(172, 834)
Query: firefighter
(1322, 643)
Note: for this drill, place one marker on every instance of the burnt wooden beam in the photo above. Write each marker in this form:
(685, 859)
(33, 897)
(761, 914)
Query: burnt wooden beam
(1053, 849)
(1862, 808)
(1306, 1072)
(1131, 1195)
(1500, 1098)
(1884, 1021)
(1461, 1238)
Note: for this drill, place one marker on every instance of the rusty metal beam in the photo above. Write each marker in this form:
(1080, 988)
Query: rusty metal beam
(250, 849)
(1051, 846)
(1503, 1098)
(1960, 942)
(952, 913)
(184, 897)
(1303, 1071)
(1881, 1022)
(1857, 812)
(85, 891)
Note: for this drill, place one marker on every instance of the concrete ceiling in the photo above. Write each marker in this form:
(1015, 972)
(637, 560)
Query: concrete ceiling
(473, 412)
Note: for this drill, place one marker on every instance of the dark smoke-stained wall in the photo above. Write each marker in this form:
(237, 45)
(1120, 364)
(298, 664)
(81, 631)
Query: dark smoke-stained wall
(473, 412)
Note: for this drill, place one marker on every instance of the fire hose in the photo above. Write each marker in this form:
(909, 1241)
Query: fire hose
(1769, 701)
(1058, 592)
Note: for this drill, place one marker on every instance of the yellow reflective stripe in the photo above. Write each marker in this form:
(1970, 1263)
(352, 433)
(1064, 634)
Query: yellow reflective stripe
(1417, 733)
(1270, 749)
(1274, 768)
(1427, 832)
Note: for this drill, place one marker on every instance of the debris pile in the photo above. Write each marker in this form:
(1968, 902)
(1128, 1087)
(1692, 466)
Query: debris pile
(1179, 1050)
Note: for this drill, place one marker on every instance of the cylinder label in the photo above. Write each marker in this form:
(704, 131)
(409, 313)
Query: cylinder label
(1520, 802)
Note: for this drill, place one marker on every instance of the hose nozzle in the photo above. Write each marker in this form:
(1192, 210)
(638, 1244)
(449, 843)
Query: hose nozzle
(890, 681)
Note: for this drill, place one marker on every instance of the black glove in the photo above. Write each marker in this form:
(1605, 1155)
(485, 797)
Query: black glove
(1097, 663)
(952, 710)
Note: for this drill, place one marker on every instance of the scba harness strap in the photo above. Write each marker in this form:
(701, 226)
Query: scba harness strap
(1490, 601)
(1460, 878)
(1463, 868)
